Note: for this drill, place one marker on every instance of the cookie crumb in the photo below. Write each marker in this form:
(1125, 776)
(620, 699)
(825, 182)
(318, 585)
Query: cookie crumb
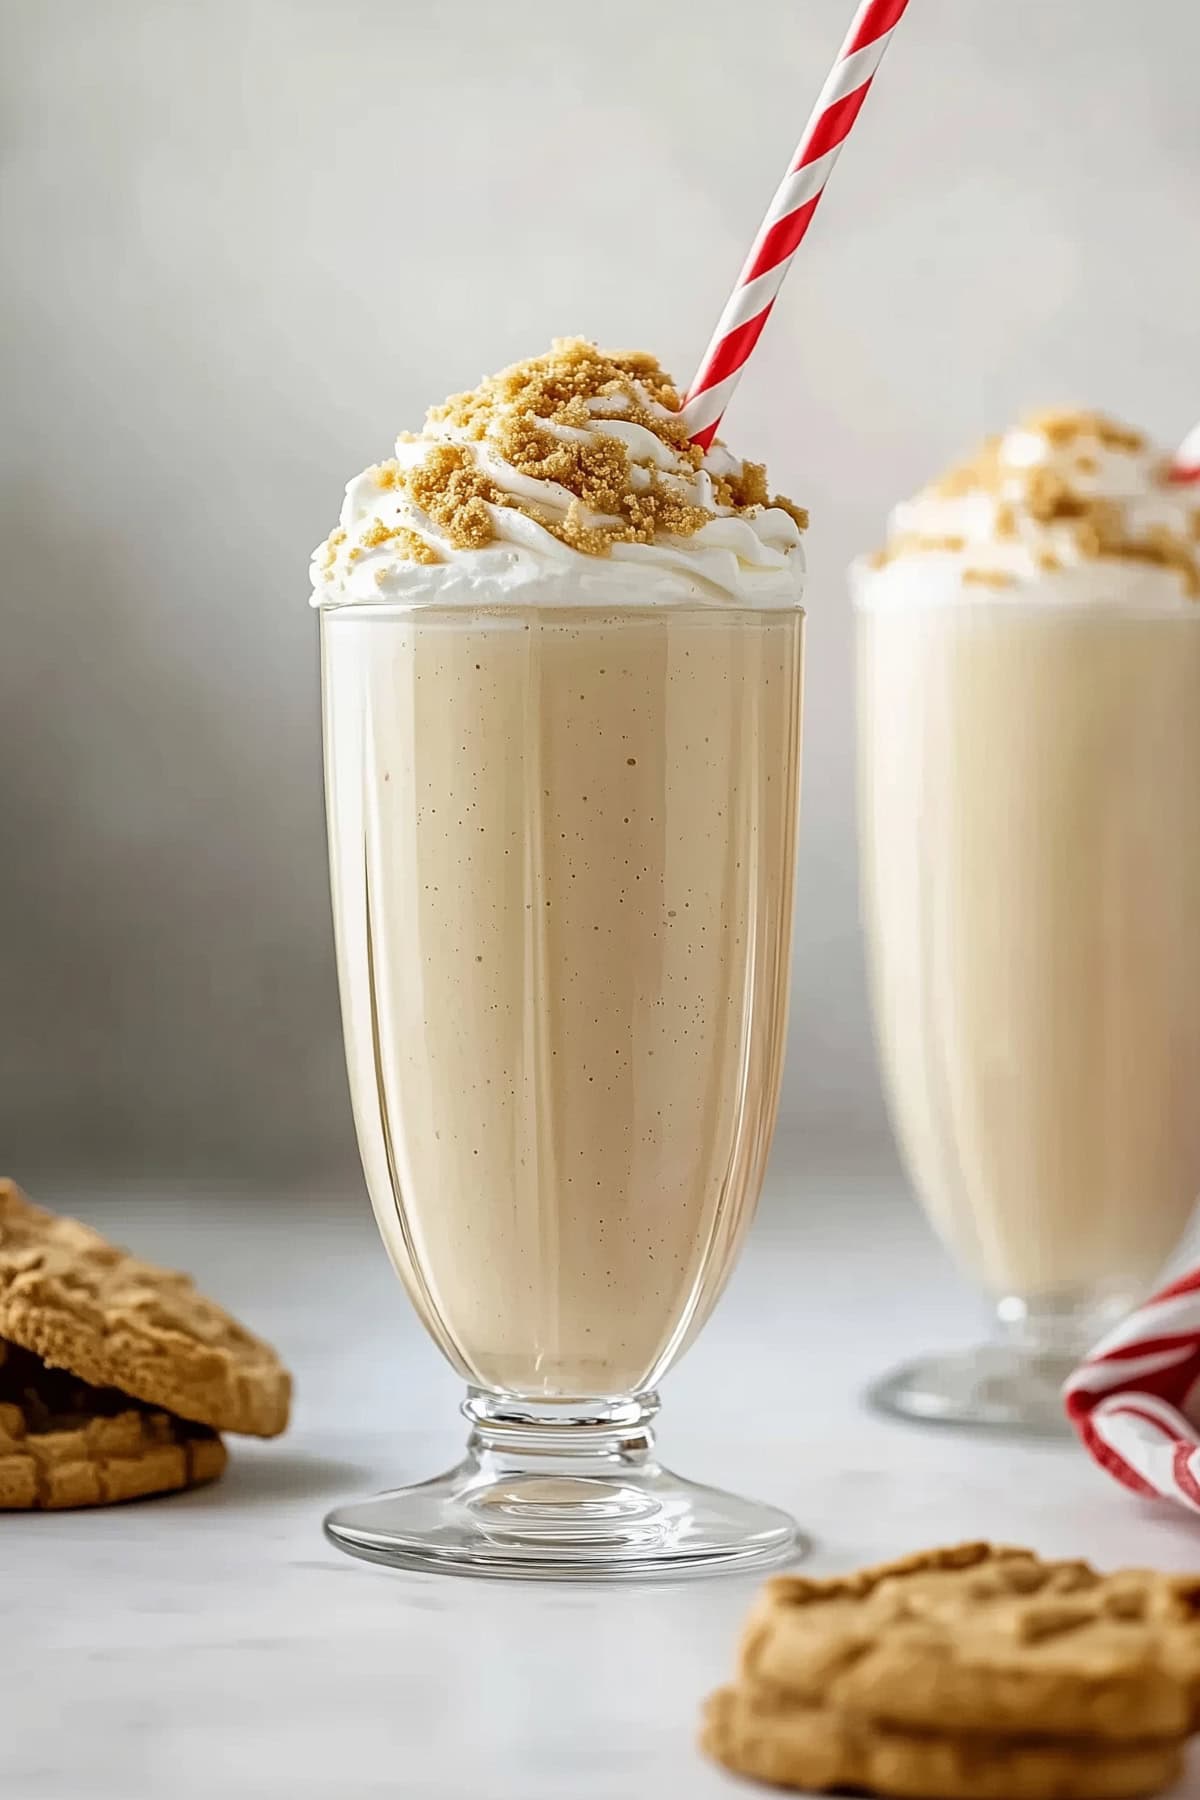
(1063, 426)
(914, 543)
(996, 578)
(411, 544)
(544, 418)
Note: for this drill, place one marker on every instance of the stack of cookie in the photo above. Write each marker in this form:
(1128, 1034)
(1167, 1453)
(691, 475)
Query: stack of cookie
(116, 1377)
(966, 1674)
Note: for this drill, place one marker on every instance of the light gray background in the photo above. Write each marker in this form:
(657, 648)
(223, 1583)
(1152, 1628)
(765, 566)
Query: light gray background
(246, 242)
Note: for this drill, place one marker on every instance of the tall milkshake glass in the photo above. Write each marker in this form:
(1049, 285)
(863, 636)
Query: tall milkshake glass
(562, 830)
(1029, 717)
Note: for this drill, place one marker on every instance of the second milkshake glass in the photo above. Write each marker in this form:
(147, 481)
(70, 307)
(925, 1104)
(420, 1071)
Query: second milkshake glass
(562, 843)
(1030, 832)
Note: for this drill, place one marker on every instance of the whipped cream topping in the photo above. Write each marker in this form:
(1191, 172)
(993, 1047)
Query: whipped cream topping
(567, 476)
(1064, 508)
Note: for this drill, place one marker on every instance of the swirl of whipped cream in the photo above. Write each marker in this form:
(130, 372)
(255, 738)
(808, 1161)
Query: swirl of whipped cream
(1065, 508)
(452, 519)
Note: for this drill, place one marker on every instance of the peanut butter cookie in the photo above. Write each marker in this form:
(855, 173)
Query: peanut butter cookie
(982, 1639)
(63, 1443)
(822, 1751)
(83, 1305)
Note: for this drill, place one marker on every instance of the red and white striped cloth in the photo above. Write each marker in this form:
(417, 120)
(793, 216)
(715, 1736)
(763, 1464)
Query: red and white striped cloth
(789, 216)
(1185, 464)
(1135, 1402)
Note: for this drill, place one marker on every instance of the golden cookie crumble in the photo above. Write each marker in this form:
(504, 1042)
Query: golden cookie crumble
(545, 419)
(1096, 527)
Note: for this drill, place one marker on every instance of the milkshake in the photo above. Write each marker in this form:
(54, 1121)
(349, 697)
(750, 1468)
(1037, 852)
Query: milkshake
(561, 667)
(1029, 713)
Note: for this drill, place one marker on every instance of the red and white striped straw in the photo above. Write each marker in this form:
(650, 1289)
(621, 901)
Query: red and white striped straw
(790, 214)
(1185, 464)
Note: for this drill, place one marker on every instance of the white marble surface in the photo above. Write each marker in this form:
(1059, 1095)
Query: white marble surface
(213, 1644)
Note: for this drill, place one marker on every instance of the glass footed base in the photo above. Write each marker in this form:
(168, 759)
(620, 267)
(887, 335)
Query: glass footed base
(546, 1491)
(994, 1386)
(1014, 1382)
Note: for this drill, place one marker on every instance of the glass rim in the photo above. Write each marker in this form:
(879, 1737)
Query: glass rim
(610, 610)
(1188, 614)
(1019, 596)
(860, 576)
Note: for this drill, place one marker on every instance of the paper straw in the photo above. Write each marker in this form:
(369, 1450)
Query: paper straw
(789, 216)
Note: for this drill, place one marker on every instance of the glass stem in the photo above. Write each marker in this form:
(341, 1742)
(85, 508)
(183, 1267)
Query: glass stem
(561, 1437)
(1060, 1327)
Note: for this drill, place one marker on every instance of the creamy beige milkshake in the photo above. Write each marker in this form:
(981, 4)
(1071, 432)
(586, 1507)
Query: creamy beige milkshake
(563, 897)
(561, 667)
(1029, 712)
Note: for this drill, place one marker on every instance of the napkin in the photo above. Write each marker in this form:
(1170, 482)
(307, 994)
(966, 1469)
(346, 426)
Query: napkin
(1135, 1400)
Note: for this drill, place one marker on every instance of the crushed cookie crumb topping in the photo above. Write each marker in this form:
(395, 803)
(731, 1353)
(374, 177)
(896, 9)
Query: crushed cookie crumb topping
(546, 418)
(1053, 504)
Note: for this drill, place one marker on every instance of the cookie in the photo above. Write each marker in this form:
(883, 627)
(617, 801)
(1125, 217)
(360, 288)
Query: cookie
(81, 1304)
(977, 1639)
(821, 1751)
(63, 1443)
